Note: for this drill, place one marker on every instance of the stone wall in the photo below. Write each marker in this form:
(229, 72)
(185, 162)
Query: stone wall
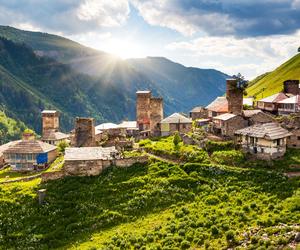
(90, 167)
(143, 109)
(50, 121)
(260, 118)
(293, 141)
(84, 132)
(232, 125)
(201, 114)
(180, 127)
(291, 87)
(234, 97)
(156, 114)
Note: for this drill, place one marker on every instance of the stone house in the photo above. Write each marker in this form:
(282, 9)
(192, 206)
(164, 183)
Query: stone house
(130, 127)
(266, 141)
(293, 141)
(218, 107)
(227, 124)
(29, 154)
(50, 128)
(175, 123)
(271, 103)
(199, 113)
(257, 116)
(84, 133)
(289, 105)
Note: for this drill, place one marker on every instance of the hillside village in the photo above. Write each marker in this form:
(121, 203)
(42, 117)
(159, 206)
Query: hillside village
(263, 129)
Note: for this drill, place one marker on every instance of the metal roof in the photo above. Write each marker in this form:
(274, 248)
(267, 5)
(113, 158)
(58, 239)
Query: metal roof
(89, 153)
(274, 98)
(292, 100)
(224, 117)
(128, 125)
(105, 126)
(220, 105)
(176, 118)
(197, 109)
(269, 131)
(143, 92)
(49, 111)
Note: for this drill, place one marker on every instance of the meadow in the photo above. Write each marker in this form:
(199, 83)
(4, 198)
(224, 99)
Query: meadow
(159, 205)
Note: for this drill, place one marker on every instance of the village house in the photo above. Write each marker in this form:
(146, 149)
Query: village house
(266, 141)
(130, 127)
(271, 103)
(256, 116)
(198, 113)
(149, 112)
(175, 123)
(293, 141)
(226, 124)
(50, 128)
(218, 107)
(29, 153)
(289, 105)
(84, 133)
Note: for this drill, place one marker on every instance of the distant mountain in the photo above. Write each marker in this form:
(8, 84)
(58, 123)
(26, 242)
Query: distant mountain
(272, 82)
(56, 72)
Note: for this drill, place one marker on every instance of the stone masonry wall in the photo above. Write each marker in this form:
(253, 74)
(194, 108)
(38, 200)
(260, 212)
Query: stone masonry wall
(234, 97)
(50, 122)
(84, 132)
(291, 87)
(156, 113)
(143, 110)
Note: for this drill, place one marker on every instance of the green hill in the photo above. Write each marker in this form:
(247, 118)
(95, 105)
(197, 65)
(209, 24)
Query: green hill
(272, 82)
(154, 206)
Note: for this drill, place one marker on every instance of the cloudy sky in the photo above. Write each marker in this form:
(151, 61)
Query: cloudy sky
(247, 36)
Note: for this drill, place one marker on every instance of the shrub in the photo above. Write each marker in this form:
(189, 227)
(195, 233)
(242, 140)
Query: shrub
(231, 157)
(230, 235)
(185, 244)
(212, 146)
(176, 140)
(61, 146)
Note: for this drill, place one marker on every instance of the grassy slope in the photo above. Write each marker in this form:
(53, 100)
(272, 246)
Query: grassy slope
(272, 83)
(154, 205)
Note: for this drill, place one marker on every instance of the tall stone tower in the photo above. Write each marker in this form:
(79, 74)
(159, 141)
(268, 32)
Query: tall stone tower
(291, 87)
(84, 132)
(234, 96)
(50, 121)
(149, 112)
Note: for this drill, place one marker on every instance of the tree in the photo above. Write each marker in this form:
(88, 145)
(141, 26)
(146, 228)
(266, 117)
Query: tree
(176, 140)
(61, 146)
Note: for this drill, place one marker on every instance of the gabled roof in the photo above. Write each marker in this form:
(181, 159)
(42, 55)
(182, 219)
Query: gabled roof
(128, 125)
(107, 125)
(274, 98)
(224, 117)
(220, 105)
(49, 111)
(292, 100)
(197, 109)
(269, 131)
(5, 146)
(54, 135)
(89, 153)
(176, 118)
(29, 147)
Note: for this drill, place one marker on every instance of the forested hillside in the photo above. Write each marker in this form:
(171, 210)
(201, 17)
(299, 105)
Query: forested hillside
(272, 82)
(110, 77)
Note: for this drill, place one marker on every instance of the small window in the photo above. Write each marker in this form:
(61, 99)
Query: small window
(298, 138)
(262, 150)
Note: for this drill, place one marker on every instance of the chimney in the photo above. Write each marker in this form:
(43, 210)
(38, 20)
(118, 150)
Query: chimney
(291, 87)
(234, 96)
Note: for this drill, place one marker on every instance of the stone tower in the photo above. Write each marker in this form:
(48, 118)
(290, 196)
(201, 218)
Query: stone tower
(84, 132)
(234, 96)
(291, 87)
(149, 112)
(50, 121)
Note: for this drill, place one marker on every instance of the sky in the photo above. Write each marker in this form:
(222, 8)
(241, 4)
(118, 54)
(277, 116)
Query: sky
(246, 36)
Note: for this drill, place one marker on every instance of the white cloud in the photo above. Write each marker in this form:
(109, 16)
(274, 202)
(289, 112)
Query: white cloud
(250, 56)
(105, 13)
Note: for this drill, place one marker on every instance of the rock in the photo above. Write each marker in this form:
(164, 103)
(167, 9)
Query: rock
(297, 237)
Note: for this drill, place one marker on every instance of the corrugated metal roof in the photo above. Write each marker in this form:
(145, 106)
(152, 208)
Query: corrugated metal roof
(224, 117)
(292, 100)
(107, 125)
(176, 118)
(274, 98)
(30, 146)
(269, 131)
(128, 124)
(89, 153)
(49, 111)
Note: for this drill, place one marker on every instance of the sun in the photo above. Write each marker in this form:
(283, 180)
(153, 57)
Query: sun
(125, 49)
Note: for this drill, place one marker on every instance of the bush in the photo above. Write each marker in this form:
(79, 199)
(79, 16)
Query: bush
(212, 146)
(61, 146)
(176, 140)
(231, 157)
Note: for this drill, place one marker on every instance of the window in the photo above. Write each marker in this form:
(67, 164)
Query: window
(18, 156)
(262, 150)
(29, 157)
(252, 140)
(298, 138)
(277, 142)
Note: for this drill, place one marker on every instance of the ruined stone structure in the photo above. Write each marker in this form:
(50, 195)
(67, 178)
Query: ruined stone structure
(234, 96)
(50, 121)
(84, 132)
(149, 112)
(291, 87)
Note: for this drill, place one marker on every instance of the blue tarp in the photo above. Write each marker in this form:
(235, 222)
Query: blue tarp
(42, 158)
